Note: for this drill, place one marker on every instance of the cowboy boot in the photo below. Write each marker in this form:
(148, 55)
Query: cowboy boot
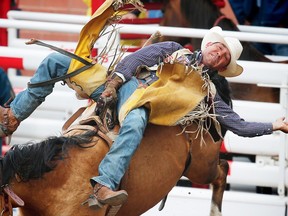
(107, 196)
(8, 122)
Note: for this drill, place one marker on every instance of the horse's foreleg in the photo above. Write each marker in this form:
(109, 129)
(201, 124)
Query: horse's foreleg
(218, 187)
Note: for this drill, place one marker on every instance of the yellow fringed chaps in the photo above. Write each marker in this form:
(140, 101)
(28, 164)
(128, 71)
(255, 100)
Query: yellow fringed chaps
(86, 82)
(177, 92)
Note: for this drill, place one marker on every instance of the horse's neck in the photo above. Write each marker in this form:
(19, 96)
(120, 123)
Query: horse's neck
(199, 13)
(66, 187)
(250, 53)
(217, 18)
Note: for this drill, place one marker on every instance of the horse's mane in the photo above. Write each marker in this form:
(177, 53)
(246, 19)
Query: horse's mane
(32, 160)
(223, 89)
(222, 86)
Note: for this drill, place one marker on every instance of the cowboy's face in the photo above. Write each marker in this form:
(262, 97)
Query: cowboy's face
(216, 56)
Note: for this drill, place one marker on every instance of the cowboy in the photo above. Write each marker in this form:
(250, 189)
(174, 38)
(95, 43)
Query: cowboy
(217, 53)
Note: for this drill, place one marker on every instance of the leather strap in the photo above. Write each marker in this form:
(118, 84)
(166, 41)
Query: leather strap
(70, 121)
(61, 78)
(74, 129)
(105, 137)
(84, 125)
(13, 196)
(62, 51)
(6, 205)
(219, 19)
(96, 120)
(86, 63)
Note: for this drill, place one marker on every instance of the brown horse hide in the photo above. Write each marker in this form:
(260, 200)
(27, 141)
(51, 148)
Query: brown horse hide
(52, 177)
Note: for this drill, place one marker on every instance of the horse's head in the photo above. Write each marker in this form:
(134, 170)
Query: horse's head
(8, 199)
(24, 164)
(172, 16)
(17, 165)
(202, 14)
(194, 14)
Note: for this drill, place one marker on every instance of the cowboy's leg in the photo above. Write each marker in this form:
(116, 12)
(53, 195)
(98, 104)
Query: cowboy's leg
(27, 101)
(115, 163)
(54, 65)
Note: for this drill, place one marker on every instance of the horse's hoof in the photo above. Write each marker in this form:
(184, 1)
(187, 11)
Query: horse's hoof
(93, 203)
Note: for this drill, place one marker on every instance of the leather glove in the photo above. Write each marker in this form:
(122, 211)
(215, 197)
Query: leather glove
(108, 97)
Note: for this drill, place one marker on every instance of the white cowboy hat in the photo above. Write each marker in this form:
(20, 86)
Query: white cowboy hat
(234, 46)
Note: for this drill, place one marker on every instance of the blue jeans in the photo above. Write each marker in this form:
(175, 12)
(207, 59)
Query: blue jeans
(116, 161)
(54, 65)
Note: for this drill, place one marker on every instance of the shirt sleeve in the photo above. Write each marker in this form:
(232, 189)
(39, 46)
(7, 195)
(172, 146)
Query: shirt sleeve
(149, 56)
(233, 122)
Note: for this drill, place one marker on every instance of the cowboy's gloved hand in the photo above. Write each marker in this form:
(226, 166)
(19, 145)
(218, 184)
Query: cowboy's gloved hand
(109, 95)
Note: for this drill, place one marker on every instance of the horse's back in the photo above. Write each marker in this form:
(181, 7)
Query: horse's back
(162, 159)
(156, 167)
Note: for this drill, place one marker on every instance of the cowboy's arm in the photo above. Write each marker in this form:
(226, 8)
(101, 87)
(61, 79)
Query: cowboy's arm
(233, 122)
(149, 56)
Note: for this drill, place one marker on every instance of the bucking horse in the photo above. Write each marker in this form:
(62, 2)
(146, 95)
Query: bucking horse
(52, 177)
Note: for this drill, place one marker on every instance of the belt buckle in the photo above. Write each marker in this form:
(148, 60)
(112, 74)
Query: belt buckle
(144, 74)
